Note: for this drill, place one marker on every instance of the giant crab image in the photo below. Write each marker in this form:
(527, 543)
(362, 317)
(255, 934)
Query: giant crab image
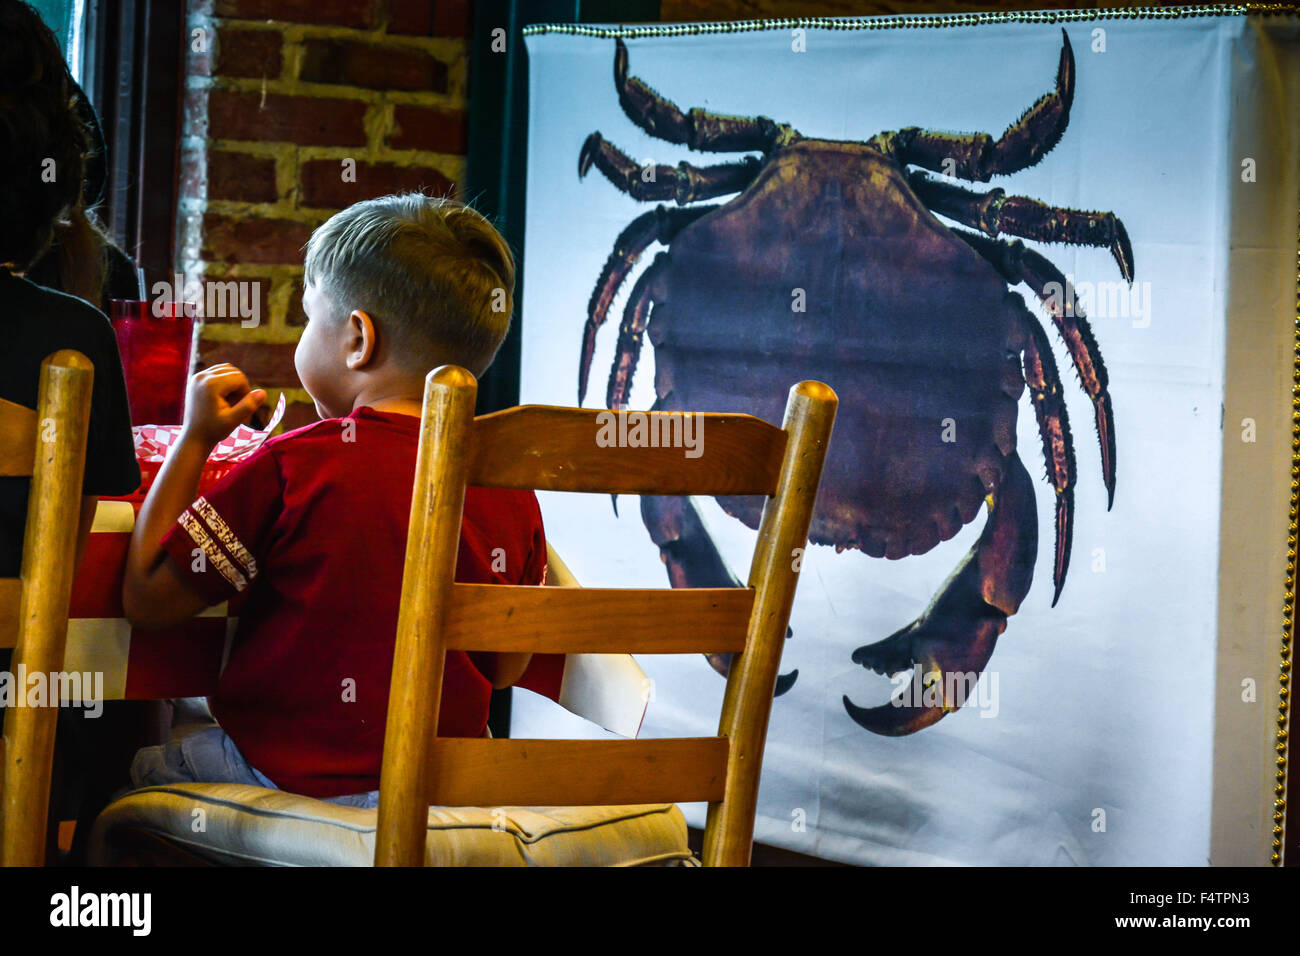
(830, 263)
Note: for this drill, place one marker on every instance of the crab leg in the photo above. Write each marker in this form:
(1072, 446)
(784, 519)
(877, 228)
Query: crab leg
(995, 212)
(955, 636)
(977, 156)
(1019, 264)
(631, 332)
(1058, 450)
(684, 182)
(692, 559)
(699, 129)
(660, 224)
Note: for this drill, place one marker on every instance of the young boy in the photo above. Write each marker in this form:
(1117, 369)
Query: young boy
(313, 525)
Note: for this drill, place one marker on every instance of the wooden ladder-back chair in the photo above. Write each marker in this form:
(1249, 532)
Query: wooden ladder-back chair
(450, 801)
(49, 445)
(556, 449)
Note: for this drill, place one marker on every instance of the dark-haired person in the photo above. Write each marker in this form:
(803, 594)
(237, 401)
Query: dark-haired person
(43, 146)
(43, 153)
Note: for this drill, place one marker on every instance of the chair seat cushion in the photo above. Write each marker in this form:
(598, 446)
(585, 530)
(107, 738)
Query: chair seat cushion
(239, 825)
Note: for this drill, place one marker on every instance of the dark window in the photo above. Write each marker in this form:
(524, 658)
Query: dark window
(132, 69)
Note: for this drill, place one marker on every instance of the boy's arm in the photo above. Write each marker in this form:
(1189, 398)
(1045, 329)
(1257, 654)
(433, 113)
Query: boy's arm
(154, 594)
(511, 667)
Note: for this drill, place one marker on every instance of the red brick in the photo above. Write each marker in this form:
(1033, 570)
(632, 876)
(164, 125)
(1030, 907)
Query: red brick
(248, 52)
(259, 295)
(451, 18)
(410, 17)
(358, 14)
(322, 182)
(267, 365)
(306, 120)
(372, 65)
(430, 128)
(253, 240)
(240, 177)
(298, 414)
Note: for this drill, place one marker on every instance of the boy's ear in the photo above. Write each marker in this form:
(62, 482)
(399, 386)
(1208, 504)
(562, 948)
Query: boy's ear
(361, 339)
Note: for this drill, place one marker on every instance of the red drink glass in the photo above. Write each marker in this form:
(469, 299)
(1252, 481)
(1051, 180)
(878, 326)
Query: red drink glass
(155, 358)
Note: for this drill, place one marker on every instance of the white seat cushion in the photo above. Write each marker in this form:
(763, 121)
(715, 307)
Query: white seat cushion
(239, 825)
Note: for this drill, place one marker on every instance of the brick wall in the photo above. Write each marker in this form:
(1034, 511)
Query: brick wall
(279, 93)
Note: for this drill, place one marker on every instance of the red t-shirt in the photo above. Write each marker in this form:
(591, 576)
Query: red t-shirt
(313, 526)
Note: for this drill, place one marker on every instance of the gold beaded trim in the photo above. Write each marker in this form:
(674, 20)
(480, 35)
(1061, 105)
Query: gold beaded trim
(912, 21)
(1059, 16)
(1288, 601)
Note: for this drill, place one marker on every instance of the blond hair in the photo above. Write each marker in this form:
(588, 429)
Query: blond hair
(431, 273)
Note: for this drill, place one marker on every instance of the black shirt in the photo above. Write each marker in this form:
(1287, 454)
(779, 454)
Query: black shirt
(35, 322)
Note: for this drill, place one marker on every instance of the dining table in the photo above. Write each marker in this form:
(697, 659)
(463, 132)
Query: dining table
(135, 663)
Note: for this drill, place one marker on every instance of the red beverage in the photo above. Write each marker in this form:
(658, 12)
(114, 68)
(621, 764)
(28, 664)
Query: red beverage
(155, 358)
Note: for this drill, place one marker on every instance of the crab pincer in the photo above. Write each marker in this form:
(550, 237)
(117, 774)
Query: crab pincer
(949, 645)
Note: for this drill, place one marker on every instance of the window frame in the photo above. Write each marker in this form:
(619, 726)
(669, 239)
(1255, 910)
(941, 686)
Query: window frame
(133, 71)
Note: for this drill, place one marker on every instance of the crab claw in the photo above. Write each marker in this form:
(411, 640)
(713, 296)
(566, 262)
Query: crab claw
(1105, 417)
(946, 656)
(1122, 250)
(1065, 72)
(948, 647)
(722, 664)
(1036, 133)
(587, 155)
(620, 63)
(692, 560)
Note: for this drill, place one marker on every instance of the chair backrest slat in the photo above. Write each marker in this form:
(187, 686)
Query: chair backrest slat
(471, 771)
(493, 617)
(578, 449)
(58, 449)
(11, 595)
(17, 440)
(560, 449)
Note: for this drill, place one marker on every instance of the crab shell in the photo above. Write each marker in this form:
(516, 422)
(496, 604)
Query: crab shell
(829, 267)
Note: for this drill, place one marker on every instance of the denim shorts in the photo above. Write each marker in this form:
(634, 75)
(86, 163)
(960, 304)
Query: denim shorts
(210, 756)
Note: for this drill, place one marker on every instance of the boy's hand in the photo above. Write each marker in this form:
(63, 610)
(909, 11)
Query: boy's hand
(217, 402)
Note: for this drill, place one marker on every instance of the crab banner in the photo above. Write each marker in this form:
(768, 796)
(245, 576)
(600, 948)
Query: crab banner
(977, 233)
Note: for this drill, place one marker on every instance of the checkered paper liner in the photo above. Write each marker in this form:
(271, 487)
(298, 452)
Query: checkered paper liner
(152, 442)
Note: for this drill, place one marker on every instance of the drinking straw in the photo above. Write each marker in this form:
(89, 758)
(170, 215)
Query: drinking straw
(139, 275)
